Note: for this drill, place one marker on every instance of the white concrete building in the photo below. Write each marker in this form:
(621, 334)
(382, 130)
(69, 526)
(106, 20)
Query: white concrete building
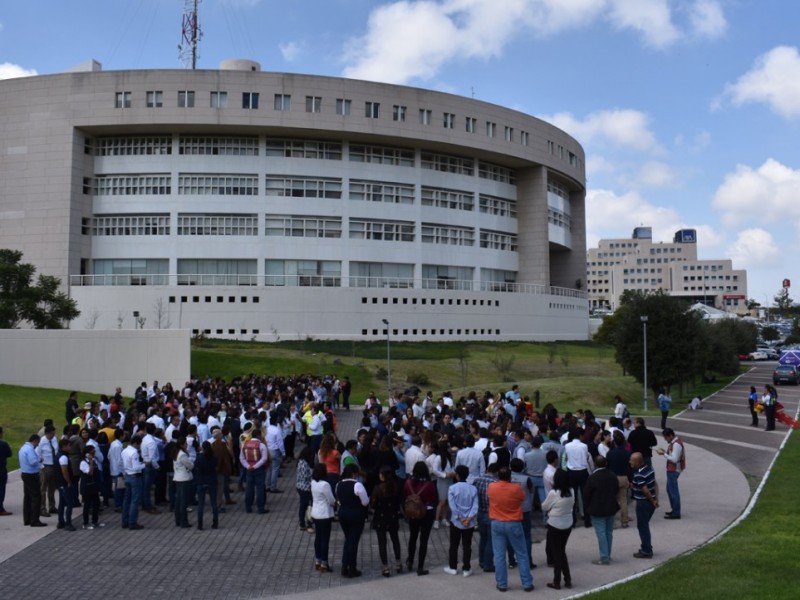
(243, 204)
(638, 263)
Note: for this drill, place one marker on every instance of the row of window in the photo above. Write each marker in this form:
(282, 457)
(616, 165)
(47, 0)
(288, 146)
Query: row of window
(290, 272)
(314, 104)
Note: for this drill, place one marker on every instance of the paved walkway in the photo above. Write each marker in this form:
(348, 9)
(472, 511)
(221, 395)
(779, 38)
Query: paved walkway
(261, 556)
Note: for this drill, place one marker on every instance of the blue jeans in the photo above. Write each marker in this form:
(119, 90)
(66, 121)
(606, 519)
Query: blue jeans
(65, 505)
(183, 491)
(322, 539)
(149, 477)
(644, 511)
(119, 490)
(255, 488)
(674, 493)
(211, 490)
(505, 533)
(526, 530)
(130, 504)
(275, 459)
(604, 530)
(538, 484)
(485, 551)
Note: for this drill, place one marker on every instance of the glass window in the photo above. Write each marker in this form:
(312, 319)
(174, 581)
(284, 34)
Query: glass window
(155, 99)
(219, 100)
(342, 106)
(122, 99)
(283, 102)
(313, 104)
(372, 109)
(398, 113)
(186, 99)
(216, 271)
(449, 120)
(425, 116)
(250, 100)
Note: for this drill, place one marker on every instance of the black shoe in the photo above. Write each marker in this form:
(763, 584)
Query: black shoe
(672, 516)
(528, 589)
(135, 527)
(642, 555)
(38, 524)
(501, 589)
(512, 565)
(422, 572)
(355, 573)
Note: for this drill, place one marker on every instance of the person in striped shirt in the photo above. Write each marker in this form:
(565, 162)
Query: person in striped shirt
(645, 492)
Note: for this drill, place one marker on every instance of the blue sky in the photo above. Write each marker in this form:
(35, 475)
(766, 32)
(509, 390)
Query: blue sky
(689, 110)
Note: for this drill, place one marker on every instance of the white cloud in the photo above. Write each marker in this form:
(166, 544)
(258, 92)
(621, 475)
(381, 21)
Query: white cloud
(290, 50)
(773, 80)
(652, 18)
(657, 174)
(611, 215)
(753, 248)
(413, 39)
(10, 70)
(707, 19)
(621, 127)
(765, 195)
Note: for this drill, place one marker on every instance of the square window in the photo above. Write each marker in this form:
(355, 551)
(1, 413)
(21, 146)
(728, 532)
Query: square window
(363, 300)
(186, 100)
(231, 331)
(313, 104)
(372, 109)
(195, 299)
(155, 99)
(220, 299)
(256, 299)
(219, 100)
(208, 298)
(256, 331)
(283, 101)
(243, 299)
(231, 298)
(172, 299)
(363, 332)
(219, 331)
(386, 301)
(122, 99)
(398, 113)
(243, 331)
(184, 299)
(250, 100)
(394, 300)
(342, 106)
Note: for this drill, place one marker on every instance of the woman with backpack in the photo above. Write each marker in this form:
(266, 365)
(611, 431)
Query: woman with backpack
(385, 502)
(419, 506)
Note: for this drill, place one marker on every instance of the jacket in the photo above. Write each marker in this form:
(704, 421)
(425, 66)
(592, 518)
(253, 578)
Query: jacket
(600, 494)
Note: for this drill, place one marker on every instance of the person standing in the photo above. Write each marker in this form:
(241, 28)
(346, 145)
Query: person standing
(645, 493)
(579, 465)
(353, 502)
(385, 501)
(462, 498)
(558, 507)
(47, 451)
(64, 483)
(253, 457)
(752, 400)
(132, 467)
(115, 468)
(420, 484)
(5, 454)
(277, 451)
(29, 466)
(600, 501)
(472, 458)
(676, 463)
(485, 552)
(505, 511)
(642, 440)
(206, 469)
(768, 399)
(183, 466)
(664, 404)
(322, 511)
(619, 463)
(91, 479)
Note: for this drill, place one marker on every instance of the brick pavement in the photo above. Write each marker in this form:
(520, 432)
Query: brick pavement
(250, 556)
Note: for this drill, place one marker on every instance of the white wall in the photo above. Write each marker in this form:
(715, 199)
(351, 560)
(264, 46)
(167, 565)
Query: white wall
(94, 361)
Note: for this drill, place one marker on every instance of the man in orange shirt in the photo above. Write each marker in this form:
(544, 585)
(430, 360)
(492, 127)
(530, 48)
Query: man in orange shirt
(505, 511)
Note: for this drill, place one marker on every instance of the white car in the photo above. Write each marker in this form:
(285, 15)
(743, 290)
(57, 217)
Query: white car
(758, 355)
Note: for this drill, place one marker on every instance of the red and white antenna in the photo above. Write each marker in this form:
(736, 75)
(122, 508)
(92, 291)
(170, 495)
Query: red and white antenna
(190, 35)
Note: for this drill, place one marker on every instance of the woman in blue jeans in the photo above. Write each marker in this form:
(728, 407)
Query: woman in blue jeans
(206, 469)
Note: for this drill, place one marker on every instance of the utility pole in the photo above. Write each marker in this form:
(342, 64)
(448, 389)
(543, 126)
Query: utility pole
(190, 34)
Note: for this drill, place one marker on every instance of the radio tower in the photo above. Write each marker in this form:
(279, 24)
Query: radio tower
(191, 34)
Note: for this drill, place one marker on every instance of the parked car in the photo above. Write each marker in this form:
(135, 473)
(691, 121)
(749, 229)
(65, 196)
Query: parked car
(758, 355)
(785, 374)
(743, 357)
(771, 353)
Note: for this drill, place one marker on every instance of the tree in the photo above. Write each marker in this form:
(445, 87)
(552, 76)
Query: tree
(39, 304)
(782, 300)
(770, 334)
(677, 347)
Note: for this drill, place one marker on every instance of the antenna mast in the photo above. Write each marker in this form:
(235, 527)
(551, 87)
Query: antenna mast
(190, 35)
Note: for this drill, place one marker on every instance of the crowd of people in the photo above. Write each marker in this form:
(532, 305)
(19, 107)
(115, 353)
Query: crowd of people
(484, 463)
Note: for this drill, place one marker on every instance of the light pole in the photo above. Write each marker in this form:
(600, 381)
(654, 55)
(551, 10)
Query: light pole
(644, 331)
(388, 361)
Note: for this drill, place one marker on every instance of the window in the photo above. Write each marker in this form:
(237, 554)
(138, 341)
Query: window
(304, 149)
(389, 231)
(372, 109)
(445, 198)
(114, 225)
(131, 271)
(132, 185)
(497, 280)
(314, 273)
(509, 134)
(218, 184)
(313, 104)
(378, 191)
(472, 123)
(551, 147)
(342, 106)
(199, 224)
(186, 99)
(381, 275)
(449, 120)
(447, 235)
(302, 226)
(155, 99)
(491, 128)
(501, 207)
(122, 99)
(497, 240)
(303, 187)
(216, 271)
(425, 116)
(132, 146)
(398, 113)
(496, 173)
(250, 100)
(384, 155)
(219, 100)
(283, 101)
(445, 277)
(523, 138)
(447, 164)
(222, 146)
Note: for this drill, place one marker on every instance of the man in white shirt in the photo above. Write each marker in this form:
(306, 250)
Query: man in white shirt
(414, 454)
(115, 469)
(276, 451)
(472, 458)
(132, 467)
(579, 466)
(47, 451)
(150, 458)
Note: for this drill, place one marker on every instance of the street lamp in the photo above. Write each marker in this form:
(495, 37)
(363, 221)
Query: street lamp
(644, 331)
(388, 361)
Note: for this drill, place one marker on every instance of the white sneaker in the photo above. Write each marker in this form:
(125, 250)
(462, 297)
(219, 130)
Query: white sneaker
(450, 571)
(467, 573)
(436, 524)
(445, 522)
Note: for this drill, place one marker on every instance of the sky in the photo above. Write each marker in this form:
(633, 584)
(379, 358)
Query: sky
(688, 110)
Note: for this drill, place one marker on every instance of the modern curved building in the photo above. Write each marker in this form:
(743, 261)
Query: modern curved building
(245, 204)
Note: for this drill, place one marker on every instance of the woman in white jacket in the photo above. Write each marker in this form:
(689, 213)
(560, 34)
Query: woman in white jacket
(440, 464)
(558, 507)
(183, 467)
(322, 511)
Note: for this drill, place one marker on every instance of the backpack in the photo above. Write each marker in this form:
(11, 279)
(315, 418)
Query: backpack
(252, 451)
(626, 414)
(413, 507)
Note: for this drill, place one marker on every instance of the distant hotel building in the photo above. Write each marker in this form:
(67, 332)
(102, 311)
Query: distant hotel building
(243, 204)
(638, 263)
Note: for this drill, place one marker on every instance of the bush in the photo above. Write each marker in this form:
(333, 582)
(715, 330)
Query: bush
(418, 378)
(381, 372)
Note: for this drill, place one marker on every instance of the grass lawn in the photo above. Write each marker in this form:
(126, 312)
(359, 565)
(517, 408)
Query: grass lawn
(757, 559)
